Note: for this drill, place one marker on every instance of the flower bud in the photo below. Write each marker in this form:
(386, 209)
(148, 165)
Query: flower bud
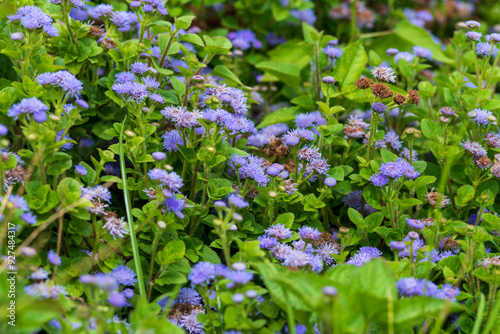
(272, 194)
(54, 117)
(218, 222)
(343, 230)
(330, 291)
(31, 136)
(281, 187)
(161, 224)
(444, 120)
(211, 149)
(130, 133)
(169, 168)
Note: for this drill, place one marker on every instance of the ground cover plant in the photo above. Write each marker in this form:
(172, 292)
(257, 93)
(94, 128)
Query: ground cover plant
(249, 166)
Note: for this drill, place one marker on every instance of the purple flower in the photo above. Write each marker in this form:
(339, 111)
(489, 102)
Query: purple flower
(309, 119)
(117, 299)
(333, 52)
(175, 205)
(191, 324)
(325, 251)
(279, 231)
(115, 226)
(29, 218)
(379, 108)
(309, 233)
(32, 17)
(189, 296)
(364, 255)
(474, 35)
(80, 169)
(139, 68)
(29, 106)
(392, 51)
(330, 182)
(237, 201)
(124, 275)
(16, 36)
(267, 242)
(62, 79)
(397, 245)
(102, 11)
(481, 116)
(404, 55)
(171, 139)
(128, 293)
(379, 180)
(473, 148)
(202, 273)
(415, 223)
(158, 156)
(354, 200)
(121, 20)
(54, 258)
(422, 52)
(484, 49)
(391, 170)
(240, 277)
(124, 77)
(392, 140)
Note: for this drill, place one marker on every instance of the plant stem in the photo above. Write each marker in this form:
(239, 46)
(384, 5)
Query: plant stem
(135, 246)
(151, 269)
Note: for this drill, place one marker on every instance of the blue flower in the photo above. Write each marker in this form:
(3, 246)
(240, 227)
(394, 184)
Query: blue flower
(202, 273)
(124, 275)
(237, 201)
(54, 258)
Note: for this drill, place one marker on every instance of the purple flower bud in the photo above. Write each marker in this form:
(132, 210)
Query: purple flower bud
(413, 235)
(16, 36)
(330, 182)
(159, 156)
(3, 130)
(330, 291)
(329, 80)
(238, 298)
(397, 245)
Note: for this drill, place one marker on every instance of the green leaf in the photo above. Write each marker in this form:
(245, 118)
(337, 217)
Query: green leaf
(283, 115)
(183, 22)
(374, 220)
(288, 73)
(225, 73)
(173, 252)
(356, 218)
(286, 219)
(418, 36)
(350, 66)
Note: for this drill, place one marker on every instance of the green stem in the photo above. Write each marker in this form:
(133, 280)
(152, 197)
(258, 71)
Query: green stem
(135, 246)
(151, 269)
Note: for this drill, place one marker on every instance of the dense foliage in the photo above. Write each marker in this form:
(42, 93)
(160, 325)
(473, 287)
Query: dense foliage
(249, 166)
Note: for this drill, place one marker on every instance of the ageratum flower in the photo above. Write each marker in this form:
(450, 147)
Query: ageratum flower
(474, 35)
(202, 273)
(117, 299)
(484, 49)
(333, 52)
(175, 205)
(124, 77)
(325, 251)
(309, 233)
(267, 242)
(171, 139)
(404, 55)
(384, 73)
(422, 52)
(124, 275)
(188, 296)
(29, 106)
(473, 148)
(191, 324)
(244, 39)
(392, 140)
(415, 223)
(237, 201)
(62, 79)
(121, 20)
(379, 180)
(115, 226)
(306, 15)
(54, 258)
(309, 119)
(29, 218)
(392, 51)
(32, 17)
(279, 231)
(379, 108)
(364, 255)
(330, 182)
